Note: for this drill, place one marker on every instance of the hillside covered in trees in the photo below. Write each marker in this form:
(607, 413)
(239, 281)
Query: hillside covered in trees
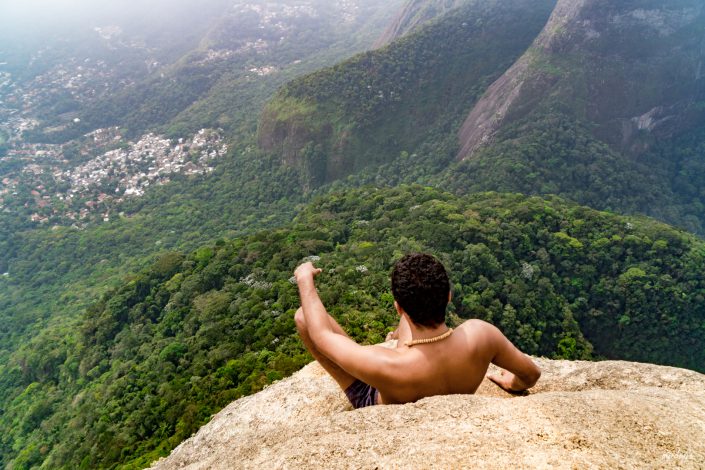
(118, 340)
(154, 359)
(370, 109)
(602, 105)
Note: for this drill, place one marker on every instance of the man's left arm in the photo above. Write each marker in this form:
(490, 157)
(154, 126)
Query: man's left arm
(368, 364)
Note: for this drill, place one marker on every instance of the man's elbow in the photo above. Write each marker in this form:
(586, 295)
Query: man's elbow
(300, 320)
(532, 376)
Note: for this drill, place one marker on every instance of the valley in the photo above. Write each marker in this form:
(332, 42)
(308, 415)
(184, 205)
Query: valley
(57, 168)
(161, 176)
(82, 182)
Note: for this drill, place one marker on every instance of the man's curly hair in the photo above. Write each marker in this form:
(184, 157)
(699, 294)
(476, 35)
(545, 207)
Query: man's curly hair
(421, 286)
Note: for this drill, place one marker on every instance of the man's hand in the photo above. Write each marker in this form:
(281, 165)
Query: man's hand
(508, 382)
(519, 371)
(306, 271)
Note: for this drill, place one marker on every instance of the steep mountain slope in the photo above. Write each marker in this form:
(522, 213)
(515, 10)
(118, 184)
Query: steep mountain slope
(580, 415)
(414, 15)
(334, 30)
(155, 358)
(606, 108)
(377, 105)
(632, 69)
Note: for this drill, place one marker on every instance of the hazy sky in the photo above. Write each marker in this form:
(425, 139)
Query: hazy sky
(30, 25)
(53, 10)
(31, 14)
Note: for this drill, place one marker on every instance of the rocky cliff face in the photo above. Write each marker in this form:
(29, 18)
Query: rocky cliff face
(581, 415)
(414, 14)
(632, 69)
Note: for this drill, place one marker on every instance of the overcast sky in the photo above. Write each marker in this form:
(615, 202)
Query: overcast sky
(55, 10)
(32, 14)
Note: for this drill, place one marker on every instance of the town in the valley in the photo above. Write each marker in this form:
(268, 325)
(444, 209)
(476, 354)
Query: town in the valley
(85, 179)
(47, 188)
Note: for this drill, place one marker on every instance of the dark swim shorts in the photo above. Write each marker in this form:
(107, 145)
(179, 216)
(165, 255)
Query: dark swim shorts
(361, 395)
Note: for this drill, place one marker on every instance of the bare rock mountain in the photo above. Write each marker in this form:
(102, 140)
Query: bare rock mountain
(581, 415)
(632, 69)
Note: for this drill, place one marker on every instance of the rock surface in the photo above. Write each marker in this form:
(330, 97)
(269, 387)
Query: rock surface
(632, 68)
(580, 415)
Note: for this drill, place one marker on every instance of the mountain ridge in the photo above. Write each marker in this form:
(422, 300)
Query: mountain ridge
(414, 15)
(605, 106)
(374, 107)
(587, 37)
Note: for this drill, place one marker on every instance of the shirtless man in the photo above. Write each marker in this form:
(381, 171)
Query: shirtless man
(430, 358)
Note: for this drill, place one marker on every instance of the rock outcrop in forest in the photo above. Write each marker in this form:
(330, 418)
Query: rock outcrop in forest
(632, 69)
(599, 102)
(580, 415)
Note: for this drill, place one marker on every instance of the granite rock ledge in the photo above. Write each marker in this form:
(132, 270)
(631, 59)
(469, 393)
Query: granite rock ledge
(580, 415)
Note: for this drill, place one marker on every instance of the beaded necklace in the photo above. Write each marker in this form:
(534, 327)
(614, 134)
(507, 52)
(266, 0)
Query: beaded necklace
(429, 340)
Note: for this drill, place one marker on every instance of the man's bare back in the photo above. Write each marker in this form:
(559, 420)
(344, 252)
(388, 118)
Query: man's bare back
(445, 362)
(455, 365)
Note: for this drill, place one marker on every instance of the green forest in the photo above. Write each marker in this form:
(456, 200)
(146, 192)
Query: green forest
(119, 340)
(249, 189)
(368, 110)
(150, 362)
(392, 115)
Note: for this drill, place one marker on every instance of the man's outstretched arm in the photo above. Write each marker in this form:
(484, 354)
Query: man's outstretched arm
(364, 363)
(314, 311)
(520, 372)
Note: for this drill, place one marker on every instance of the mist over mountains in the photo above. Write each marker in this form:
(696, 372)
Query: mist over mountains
(164, 166)
(60, 29)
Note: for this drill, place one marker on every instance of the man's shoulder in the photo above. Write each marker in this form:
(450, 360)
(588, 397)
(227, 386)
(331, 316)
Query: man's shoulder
(482, 338)
(476, 330)
(475, 325)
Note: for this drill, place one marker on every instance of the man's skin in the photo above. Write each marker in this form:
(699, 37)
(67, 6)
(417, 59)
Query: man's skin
(455, 365)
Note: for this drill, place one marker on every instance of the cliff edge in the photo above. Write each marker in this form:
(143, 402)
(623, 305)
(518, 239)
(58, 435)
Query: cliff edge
(580, 415)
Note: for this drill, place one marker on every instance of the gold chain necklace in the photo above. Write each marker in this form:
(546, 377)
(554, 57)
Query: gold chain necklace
(429, 340)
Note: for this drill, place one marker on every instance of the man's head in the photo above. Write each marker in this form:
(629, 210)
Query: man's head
(421, 287)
